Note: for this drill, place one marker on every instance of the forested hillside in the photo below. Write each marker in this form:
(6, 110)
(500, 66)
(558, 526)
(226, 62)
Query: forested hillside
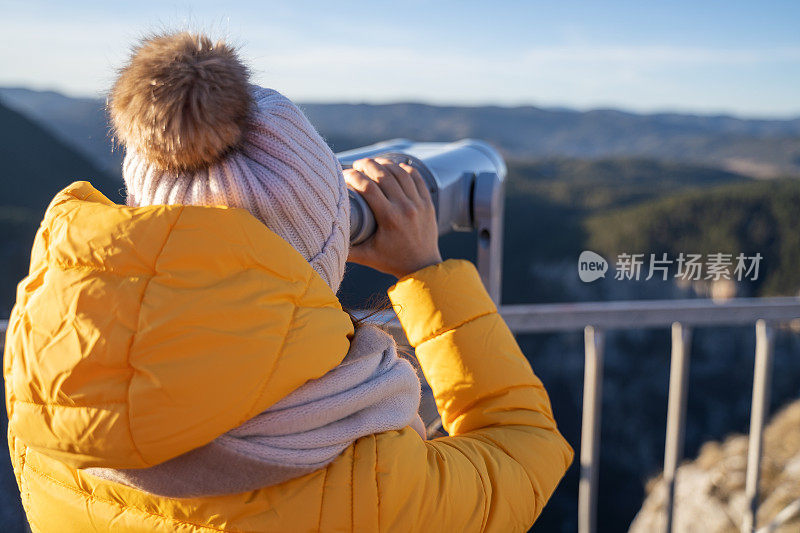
(761, 217)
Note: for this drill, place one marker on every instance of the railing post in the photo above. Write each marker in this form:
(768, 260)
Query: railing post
(488, 208)
(590, 429)
(783, 516)
(762, 378)
(676, 414)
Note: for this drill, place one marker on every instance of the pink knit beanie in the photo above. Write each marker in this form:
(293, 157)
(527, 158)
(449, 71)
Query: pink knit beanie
(196, 132)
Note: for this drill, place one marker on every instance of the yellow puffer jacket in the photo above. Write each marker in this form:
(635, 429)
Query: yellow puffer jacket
(142, 333)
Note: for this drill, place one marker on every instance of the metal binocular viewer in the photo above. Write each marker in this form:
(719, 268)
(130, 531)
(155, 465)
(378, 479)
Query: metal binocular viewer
(466, 180)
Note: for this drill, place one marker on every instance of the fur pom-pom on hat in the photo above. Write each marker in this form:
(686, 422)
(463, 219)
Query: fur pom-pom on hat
(197, 132)
(182, 101)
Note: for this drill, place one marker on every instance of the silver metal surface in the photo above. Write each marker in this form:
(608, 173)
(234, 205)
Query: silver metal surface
(590, 430)
(762, 379)
(676, 414)
(783, 516)
(362, 223)
(489, 211)
(448, 168)
(466, 181)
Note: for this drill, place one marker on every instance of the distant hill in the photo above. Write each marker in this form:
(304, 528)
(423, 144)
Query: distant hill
(35, 166)
(608, 183)
(761, 148)
(761, 217)
(80, 122)
(765, 148)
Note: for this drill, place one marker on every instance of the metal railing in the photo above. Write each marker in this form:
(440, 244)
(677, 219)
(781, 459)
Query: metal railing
(595, 318)
(681, 316)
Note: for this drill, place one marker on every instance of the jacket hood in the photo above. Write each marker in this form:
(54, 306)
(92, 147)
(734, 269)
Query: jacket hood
(141, 333)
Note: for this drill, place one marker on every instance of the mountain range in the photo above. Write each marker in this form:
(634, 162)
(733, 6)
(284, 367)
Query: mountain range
(756, 147)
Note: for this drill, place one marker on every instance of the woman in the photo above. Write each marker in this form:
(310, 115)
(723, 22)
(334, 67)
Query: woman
(181, 363)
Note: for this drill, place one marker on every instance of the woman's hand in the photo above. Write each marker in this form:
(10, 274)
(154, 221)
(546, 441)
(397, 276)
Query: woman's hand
(407, 238)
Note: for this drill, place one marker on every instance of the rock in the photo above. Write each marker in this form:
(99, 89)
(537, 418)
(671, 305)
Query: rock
(709, 494)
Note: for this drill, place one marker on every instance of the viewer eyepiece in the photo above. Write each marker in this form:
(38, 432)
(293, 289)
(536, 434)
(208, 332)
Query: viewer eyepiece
(449, 170)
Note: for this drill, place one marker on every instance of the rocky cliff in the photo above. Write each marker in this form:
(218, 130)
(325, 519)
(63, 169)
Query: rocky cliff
(709, 494)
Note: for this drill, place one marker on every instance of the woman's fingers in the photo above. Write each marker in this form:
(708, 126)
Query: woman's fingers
(363, 254)
(369, 189)
(383, 177)
(419, 182)
(402, 176)
(406, 238)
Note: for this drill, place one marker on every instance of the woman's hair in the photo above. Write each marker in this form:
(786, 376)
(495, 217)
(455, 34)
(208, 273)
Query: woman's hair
(377, 306)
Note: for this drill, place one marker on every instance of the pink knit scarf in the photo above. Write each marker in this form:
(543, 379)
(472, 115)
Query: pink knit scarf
(371, 391)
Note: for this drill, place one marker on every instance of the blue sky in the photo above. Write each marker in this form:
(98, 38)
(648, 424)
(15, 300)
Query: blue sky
(700, 56)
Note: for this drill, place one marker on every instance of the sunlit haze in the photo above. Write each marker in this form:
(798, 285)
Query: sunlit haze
(733, 57)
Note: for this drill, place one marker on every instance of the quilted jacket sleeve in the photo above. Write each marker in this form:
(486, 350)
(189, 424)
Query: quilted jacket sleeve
(504, 456)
